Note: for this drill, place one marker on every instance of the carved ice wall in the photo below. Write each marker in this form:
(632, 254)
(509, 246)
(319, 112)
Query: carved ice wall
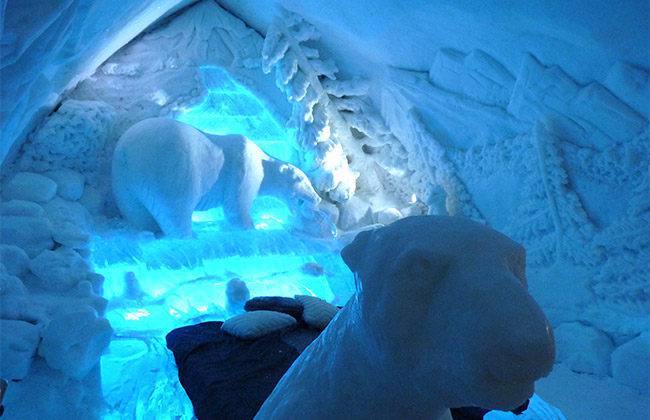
(48, 47)
(345, 145)
(157, 74)
(560, 167)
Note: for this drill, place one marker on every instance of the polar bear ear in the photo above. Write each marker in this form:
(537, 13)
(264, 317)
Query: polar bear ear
(353, 253)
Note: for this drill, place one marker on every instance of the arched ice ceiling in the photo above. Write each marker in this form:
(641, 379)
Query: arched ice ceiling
(49, 46)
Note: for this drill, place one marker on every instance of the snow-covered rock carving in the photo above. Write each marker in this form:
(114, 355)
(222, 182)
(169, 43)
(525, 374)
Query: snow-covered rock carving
(73, 342)
(70, 184)
(441, 318)
(29, 186)
(21, 208)
(630, 364)
(14, 259)
(72, 137)
(59, 270)
(387, 216)
(164, 169)
(476, 75)
(12, 293)
(590, 115)
(47, 288)
(18, 347)
(583, 348)
(32, 234)
(355, 213)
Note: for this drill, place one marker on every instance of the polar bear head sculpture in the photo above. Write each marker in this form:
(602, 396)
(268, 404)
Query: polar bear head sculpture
(441, 318)
(446, 299)
(297, 191)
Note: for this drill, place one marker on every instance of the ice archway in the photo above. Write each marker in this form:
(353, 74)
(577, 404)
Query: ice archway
(531, 118)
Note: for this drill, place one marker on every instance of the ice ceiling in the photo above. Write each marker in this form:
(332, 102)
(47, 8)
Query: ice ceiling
(48, 47)
(530, 117)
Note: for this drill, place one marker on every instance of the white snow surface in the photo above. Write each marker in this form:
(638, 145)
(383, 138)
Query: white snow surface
(531, 118)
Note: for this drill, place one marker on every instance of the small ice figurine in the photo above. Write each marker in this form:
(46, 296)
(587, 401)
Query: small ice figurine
(132, 289)
(236, 295)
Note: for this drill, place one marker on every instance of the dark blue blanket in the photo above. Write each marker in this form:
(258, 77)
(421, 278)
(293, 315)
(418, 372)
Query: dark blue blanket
(228, 378)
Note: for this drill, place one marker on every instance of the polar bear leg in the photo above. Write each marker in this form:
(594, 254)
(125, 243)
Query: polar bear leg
(241, 186)
(237, 209)
(130, 205)
(247, 190)
(173, 216)
(139, 216)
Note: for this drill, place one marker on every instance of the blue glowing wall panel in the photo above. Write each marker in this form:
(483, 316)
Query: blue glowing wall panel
(230, 108)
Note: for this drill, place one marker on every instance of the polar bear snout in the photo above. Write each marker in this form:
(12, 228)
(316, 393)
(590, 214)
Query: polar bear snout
(513, 349)
(526, 362)
(527, 352)
(306, 204)
(295, 188)
(304, 201)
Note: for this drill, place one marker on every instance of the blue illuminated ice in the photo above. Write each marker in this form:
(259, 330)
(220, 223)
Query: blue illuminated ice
(232, 108)
(156, 285)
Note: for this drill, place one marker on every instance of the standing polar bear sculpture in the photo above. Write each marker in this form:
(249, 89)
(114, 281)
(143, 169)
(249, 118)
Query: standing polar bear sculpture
(441, 318)
(163, 170)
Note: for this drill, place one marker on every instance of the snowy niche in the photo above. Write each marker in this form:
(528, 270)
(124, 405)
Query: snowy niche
(124, 289)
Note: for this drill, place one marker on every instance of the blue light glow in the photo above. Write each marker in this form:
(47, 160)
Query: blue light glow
(173, 280)
(156, 285)
(230, 108)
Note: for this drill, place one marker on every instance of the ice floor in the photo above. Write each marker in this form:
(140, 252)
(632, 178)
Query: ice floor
(156, 285)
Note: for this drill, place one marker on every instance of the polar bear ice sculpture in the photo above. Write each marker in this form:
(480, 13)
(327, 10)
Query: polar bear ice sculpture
(164, 169)
(441, 318)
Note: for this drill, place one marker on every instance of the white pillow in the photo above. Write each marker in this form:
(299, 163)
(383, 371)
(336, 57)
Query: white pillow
(255, 324)
(317, 313)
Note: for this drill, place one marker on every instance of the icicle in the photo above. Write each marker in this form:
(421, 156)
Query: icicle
(274, 49)
(354, 87)
(308, 103)
(286, 69)
(325, 68)
(305, 32)
(297, 87)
